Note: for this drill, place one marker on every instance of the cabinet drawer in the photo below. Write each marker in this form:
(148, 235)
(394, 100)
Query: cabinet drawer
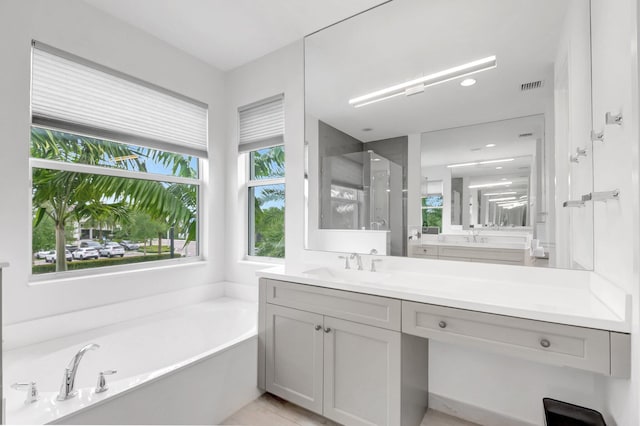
(482, 253)
(550, 343)
(362, 308)
(424, 251)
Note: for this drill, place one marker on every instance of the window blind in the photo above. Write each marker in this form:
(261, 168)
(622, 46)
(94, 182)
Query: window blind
(72, 94)
(262, 124)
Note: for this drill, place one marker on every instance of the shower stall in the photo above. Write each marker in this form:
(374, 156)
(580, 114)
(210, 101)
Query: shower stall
(363, 191)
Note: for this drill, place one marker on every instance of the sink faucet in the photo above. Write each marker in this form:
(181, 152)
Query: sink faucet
(358, 259)
(68, 379)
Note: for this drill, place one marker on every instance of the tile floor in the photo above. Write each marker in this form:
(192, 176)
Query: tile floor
(269, 410)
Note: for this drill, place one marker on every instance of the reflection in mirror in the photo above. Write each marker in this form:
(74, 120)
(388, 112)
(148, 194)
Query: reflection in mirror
(447, 130)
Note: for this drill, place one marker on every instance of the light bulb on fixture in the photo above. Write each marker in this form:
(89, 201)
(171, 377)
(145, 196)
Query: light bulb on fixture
(467, 82)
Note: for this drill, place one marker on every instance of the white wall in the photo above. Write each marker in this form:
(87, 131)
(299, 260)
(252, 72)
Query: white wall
(82, 30)
(616, 165)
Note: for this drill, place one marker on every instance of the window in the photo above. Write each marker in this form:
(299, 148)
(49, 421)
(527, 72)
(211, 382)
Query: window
(432, 211)
(261, 141)
(115, 166)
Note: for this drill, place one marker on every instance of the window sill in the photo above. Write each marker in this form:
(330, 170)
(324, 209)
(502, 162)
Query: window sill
(112, 271)
(261, 261)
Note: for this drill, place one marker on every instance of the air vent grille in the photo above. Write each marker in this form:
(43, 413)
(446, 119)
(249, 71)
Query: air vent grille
(525, 135)
(531, 85)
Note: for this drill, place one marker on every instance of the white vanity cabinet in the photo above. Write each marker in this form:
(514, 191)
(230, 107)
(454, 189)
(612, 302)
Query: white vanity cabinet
(339, 354)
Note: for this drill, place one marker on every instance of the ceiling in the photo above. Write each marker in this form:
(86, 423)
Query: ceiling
(230, 33)
(406, 39)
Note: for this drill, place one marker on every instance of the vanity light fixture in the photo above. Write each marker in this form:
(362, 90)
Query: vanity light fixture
(467, 82)
(418, 85)
(500, 193)
(502, 199)
(475, 163)
(490, 185)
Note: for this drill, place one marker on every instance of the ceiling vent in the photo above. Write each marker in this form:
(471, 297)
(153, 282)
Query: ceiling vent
(531, 85)
(525, 135)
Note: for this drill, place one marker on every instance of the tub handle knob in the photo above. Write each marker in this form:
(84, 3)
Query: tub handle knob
(102, 386)
(31, 388)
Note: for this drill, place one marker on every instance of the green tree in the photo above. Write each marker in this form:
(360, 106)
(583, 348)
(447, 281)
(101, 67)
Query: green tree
(141, 227)
(66, 196)
(43, 236)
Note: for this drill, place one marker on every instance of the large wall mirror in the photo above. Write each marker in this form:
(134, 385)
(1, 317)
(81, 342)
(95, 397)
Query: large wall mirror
(453, 130)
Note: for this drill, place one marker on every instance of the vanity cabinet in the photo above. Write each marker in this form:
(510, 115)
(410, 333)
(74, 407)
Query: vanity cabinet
(549, 343)
(347, 365)
(504, 256)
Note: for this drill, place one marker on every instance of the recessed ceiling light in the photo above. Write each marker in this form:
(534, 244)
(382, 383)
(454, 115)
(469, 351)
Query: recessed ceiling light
(367, 129)
(490, 145)
(499, 168)
(503, 179)
(467, 82)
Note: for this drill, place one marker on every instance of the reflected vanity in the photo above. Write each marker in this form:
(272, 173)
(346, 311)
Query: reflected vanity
(452, 141)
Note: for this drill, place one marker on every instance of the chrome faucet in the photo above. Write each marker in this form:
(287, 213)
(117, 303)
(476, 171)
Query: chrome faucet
(69, 378)
(358, 259)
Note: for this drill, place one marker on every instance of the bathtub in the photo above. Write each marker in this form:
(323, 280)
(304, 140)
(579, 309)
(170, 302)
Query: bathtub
(191, 365)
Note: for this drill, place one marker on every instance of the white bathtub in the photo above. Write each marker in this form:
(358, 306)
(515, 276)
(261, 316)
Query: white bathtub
(191, 365)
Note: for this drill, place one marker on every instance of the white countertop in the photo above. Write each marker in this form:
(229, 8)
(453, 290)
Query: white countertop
(571, 304)
(488, 245)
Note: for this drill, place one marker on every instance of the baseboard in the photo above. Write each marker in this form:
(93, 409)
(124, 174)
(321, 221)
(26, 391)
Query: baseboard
(473, 413)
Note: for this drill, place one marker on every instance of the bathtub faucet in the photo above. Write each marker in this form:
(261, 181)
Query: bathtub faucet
(68, 379)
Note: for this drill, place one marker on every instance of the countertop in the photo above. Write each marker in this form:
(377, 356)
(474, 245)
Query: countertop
(571, 304)
(489, 245)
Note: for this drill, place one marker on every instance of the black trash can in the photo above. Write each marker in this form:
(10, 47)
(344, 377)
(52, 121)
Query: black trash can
(558, 413)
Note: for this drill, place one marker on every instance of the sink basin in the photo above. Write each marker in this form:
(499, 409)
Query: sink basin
(351, 276)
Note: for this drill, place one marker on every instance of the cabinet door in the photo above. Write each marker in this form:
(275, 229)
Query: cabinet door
(361, 373)
(294, 342)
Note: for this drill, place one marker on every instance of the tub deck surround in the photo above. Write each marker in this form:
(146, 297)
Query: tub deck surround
(144, 351)
(577, 303)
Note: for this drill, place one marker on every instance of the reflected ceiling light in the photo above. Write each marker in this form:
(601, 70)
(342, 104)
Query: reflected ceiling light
(419, 84)
(504, 160)
(500, 193)
(490, 145)
(475, 163)
(489, 185)
(502, 199)
(467, 82)
(499, 168)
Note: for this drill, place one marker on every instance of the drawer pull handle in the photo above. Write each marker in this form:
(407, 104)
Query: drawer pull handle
(545, 343)
(442, 324)
(327, 330)
(318, 327)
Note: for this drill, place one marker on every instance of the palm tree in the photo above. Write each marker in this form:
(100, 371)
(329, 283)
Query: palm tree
(66, 196)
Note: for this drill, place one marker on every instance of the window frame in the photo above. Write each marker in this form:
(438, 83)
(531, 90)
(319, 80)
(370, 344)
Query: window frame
(249, 218)
(423, 207)
(127, 174)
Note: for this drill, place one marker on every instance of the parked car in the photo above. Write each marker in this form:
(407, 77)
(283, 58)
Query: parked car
(112, 249)
(85, 253)
(128, 245)
(51, 257)
(71, 248)
(91, 244)
(43, 253)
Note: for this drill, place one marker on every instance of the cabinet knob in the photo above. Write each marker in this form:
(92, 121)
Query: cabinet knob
(318, 327)
(442, 324)
(327, 330)
(545, 343)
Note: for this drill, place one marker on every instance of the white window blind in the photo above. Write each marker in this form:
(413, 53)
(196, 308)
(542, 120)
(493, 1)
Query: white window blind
(262, 124)
(73, 94)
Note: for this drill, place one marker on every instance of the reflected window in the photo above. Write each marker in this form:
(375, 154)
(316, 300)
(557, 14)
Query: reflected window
(432, 211)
